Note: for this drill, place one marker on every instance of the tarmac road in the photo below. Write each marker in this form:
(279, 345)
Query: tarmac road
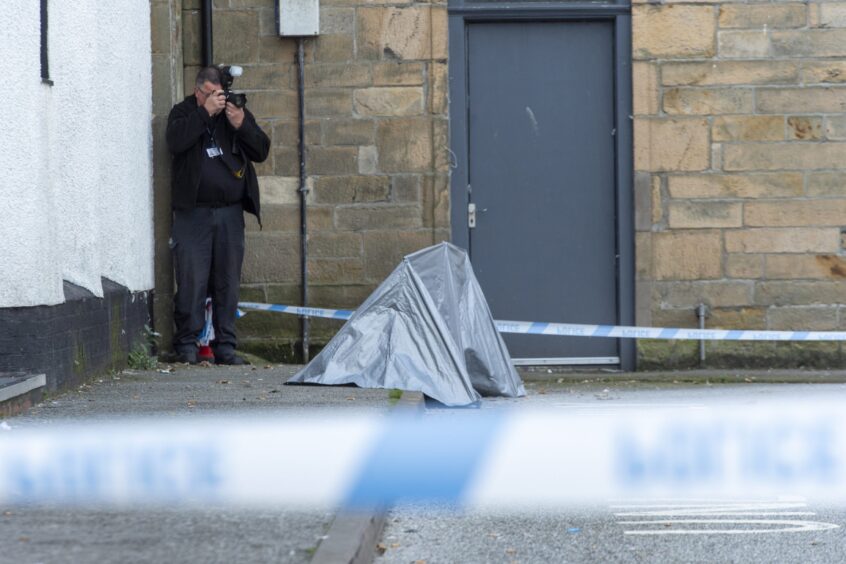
(780, 529)
(210, 534)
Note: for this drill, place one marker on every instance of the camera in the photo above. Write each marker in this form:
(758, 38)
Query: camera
(227, 76)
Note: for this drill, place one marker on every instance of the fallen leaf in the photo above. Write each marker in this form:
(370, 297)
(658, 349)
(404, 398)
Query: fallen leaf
(23, 539)
(493, 535)
(7, 513)
(351, 398)
(192, 403)
(223, 381)
(268, 366)
(136, 397)
(419, 562)
(395, 545)
(511, 551)
(381, 548)
(274, 391)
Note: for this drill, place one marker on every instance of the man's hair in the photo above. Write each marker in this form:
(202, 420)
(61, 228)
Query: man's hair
(208, 74)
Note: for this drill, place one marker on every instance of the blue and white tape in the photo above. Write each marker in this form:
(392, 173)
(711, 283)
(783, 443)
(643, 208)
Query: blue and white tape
(488, 460)
(580, 330)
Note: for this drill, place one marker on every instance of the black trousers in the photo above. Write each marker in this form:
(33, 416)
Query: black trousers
(208, 252)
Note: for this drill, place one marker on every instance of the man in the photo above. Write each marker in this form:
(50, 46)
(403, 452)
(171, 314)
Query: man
(214, 144)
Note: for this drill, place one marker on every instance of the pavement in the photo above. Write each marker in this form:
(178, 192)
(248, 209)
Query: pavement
(46, 534)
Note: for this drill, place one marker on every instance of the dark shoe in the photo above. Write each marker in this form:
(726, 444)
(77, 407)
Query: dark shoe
(231, 360)
(186, 358)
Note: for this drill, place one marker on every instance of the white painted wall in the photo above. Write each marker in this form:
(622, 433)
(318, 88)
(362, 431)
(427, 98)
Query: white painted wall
(75, 157)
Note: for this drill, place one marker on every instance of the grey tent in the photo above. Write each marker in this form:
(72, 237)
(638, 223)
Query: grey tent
(426, 328)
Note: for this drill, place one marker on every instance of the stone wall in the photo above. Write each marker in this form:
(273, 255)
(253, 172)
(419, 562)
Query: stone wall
(740, 158)
(377, 146)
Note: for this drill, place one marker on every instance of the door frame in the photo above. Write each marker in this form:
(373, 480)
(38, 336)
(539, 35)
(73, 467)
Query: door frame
(462, 13)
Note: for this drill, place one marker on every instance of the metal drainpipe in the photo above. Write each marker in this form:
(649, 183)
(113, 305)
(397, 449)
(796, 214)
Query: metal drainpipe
(303, 194)
(206, 14)
(701, 312)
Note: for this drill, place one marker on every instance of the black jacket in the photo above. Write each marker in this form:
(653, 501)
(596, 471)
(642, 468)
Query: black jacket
(186, 126)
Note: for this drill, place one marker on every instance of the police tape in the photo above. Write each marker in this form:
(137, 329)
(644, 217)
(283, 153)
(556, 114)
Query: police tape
(581, 330)
(493, 459)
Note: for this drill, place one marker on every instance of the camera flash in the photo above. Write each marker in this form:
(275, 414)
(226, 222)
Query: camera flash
(235, 70)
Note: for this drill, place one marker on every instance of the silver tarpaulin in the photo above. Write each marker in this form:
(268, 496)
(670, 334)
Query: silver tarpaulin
(426, 328)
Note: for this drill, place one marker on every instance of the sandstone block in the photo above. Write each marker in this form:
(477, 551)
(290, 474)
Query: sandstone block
(232, 41)
(332, 160)
(328, 103)
(687, 255)
(801, 100)
(827, 184)
(671, 144)
(335, 48)
(435, 204)
(286, 218)
(819, 318)
(271, 257)
(793, 213)
(351, 189)
(744, 266)
(273, 104)
(383, 253)
(784, 156)
(781, 292)
(673, 31)
(824, 72)
(337, 75)
(643, 201)
(368, 159)
(273, 50)
(349, 132)
(797, 240)
(337, 21)
(809, 43)
(702, 215)
(805, 128)
(645, 88)
(833, 14)
(326, 244)
(716, 73)
(657, 201)
(386, 217)
(286, 133)
(192, 52)
(709, 101)
(405, 145)
(438, 88)
(265, 77)
(281, 190)
(835, 127)
(286, 162)
(393, 33)
(643, 256)
(336, 270)
(389, 101)
(764, 185)
(398, 73)
(748, 128)
(405, 188)
(439, 33)
(738, 318)
(743, 44)
(795, 266)
(717, 293)
(769, 16)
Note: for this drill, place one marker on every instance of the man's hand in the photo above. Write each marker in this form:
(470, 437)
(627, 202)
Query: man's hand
(235, 115)
(215, 102)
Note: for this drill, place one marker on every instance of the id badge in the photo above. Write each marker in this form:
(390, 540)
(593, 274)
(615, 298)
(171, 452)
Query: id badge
(213, 151)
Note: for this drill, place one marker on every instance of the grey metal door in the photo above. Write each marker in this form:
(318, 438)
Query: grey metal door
(541, 169)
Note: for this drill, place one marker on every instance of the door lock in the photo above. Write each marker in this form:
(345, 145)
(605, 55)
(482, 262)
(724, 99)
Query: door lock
(471, 215)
